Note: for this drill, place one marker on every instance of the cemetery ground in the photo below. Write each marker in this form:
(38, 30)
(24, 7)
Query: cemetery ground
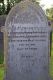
(1, 65)
(51, 60)
(51, 64)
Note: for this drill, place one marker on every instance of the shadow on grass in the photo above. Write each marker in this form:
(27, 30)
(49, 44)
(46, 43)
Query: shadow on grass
(1, 56)
(51, 61)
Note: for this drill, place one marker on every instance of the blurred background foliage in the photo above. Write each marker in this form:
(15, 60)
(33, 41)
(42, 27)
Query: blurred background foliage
(5, 8)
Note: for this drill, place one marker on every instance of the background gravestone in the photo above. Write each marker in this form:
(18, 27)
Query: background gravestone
(27, 43)
(1, 48)
(2, 23)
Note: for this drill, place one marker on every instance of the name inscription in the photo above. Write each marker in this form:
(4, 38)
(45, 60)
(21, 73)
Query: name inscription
(25, 43)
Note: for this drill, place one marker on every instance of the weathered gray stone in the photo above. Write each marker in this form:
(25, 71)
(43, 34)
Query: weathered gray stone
(27, 43)
(2, 20)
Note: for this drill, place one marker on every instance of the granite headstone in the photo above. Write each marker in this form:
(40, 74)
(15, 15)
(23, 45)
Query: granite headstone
(27, 44)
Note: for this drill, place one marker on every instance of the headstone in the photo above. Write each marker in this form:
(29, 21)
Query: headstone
(27, 44)
(1, 48)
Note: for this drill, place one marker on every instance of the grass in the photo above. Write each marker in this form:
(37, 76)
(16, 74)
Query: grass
(51, 65)
(1, 56)
(51, 60)
(1, 63)
(1, 73)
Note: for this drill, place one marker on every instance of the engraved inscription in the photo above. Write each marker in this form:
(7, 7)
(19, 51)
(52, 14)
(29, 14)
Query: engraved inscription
(25, 44)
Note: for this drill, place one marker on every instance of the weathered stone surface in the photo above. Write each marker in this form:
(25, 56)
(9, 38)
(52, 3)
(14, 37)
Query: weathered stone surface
(27, 43)
(2, 20)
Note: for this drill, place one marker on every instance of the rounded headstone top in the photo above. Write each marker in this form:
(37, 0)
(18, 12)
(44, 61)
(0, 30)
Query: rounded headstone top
(26, 43)
(27, 12)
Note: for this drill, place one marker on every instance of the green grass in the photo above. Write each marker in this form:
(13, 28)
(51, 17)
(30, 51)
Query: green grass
(51, 60)
(1, 73)
(1, 62)
(51, 66)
